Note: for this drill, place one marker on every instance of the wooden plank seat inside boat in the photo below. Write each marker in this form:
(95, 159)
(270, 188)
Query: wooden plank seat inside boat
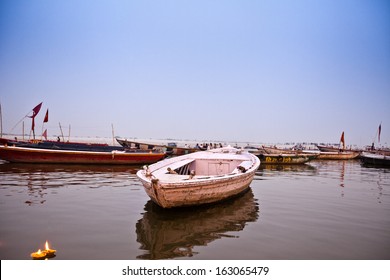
(204, 169)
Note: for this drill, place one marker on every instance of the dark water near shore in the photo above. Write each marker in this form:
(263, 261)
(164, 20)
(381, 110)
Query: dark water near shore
(321, 210)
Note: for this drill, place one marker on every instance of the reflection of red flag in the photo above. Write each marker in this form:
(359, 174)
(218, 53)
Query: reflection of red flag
(379, 133)
(45, 134)
(36, 110)
(46, 119)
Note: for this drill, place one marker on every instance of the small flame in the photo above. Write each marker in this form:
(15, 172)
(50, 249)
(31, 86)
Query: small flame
(47, 245)
(39, 251)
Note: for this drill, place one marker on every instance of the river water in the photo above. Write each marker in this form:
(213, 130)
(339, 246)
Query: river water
(321, 210)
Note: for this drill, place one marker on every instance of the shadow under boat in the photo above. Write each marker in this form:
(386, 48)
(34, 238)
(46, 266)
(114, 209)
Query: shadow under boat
(169, 233)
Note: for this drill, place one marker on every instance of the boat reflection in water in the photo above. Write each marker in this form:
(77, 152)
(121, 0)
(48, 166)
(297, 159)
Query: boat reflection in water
(173, 233)
(285, 169)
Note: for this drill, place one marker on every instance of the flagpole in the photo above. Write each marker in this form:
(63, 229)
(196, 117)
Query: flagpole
(1, 123)
(113, 137)
(62, 134)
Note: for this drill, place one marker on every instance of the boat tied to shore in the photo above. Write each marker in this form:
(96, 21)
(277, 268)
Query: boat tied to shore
(199, 178)
(37, 155)
(375, 159)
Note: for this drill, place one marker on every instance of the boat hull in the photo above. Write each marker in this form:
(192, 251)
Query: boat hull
(375, 159)
(191, 194)
(34, 155)
(338, 155)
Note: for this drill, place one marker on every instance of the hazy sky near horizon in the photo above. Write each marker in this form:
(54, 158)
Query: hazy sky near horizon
(258, 71)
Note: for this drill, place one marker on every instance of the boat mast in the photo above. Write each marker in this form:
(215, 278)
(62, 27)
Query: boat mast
(62, 134)
(112, 130)
(1, 123)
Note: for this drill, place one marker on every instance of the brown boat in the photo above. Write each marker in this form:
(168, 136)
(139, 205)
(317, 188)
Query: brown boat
(35, 155)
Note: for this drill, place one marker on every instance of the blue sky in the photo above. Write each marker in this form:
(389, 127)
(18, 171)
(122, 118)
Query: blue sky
(256, 71)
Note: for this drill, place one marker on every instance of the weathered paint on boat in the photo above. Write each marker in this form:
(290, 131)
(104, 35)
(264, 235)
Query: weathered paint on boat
(217, 178)
(34, 155)
(338, 155)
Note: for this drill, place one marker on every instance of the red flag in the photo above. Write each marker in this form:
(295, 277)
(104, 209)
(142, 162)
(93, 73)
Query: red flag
(342, 139)
(45, 134)
(46, 119)
(379, 133)
(36, 110)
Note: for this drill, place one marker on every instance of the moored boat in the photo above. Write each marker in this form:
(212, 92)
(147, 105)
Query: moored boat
(328, 148)
(199, 178)
(35, 155)
(60, 145)
(345, 155)
(169, 149)
(375, 159)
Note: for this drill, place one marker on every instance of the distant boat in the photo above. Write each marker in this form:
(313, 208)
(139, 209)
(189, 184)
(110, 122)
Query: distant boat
(169, 149)
(375, 159)
(329, 148)
(36, 155)
(59, 145)
(338, 155)
(199, 178)
(276, 150)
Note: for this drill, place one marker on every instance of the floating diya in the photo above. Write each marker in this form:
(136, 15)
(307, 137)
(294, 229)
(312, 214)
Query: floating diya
(44, 254)
(39, 255)
(49, 252)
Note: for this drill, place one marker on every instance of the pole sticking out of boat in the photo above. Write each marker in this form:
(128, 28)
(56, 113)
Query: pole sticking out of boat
(1, 123)
(112, 130)
(62, 134)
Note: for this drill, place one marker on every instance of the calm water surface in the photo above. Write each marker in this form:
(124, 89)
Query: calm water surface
(321, 210)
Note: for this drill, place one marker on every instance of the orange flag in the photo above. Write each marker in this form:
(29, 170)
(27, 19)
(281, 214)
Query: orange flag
(342, 139)
(45, 134)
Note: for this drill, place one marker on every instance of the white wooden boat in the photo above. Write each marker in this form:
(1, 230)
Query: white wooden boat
(200, 177)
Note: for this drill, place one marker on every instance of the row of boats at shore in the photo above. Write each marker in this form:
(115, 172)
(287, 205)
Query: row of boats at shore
(135, 152)
(175, 176)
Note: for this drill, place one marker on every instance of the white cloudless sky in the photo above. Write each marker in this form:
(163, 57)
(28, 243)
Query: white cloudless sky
(257, 71)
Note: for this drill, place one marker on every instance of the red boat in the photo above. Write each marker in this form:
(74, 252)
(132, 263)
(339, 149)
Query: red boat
(35, 155)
